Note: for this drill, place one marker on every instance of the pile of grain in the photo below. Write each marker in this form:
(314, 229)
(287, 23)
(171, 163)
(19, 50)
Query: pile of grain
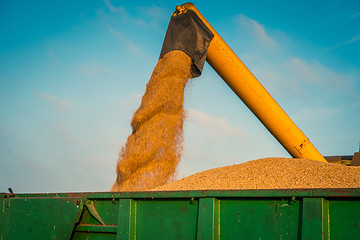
(153, 150)
(271, 173)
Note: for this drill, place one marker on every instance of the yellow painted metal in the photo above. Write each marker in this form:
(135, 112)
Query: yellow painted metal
(233, 71)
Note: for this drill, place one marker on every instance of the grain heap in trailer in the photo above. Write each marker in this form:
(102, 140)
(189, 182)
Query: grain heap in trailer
(305, 198)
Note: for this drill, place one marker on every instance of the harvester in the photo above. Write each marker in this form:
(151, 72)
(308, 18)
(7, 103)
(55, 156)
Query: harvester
(191, 33)
(210, 214)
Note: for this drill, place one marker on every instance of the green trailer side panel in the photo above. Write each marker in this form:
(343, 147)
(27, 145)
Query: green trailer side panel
(166, 219)
(207, 213)
(255, 214)
(344, 218)
(98, 220)
(312, 219)
(44, 218)
(106, 209)
(126, 219)
(259, 218)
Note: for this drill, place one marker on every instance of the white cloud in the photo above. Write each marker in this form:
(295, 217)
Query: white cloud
(132, 102)
(51, 53)
(353, 39)
(255, 29)
(61, 105)
(95, 69)
(214, 125)
(355, 15)
(119, 9)
(131, 45)
(316, 73)
(152, 17)
(304, 71)
(347, 42)
(319, 111)
(286, 76)
(330, 111)
(155, 12)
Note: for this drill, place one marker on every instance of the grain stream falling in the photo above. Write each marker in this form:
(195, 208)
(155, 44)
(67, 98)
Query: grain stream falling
(153, 150)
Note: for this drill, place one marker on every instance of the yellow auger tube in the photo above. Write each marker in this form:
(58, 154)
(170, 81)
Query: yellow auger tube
(232, 70)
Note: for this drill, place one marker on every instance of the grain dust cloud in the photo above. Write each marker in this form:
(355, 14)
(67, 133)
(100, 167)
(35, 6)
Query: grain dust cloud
(153, 150)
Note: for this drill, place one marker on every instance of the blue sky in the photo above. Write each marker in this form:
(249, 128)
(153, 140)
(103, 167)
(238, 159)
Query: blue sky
(72, 73)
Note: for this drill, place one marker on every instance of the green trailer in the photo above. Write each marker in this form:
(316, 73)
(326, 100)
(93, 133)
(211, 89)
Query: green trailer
(236, 214)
